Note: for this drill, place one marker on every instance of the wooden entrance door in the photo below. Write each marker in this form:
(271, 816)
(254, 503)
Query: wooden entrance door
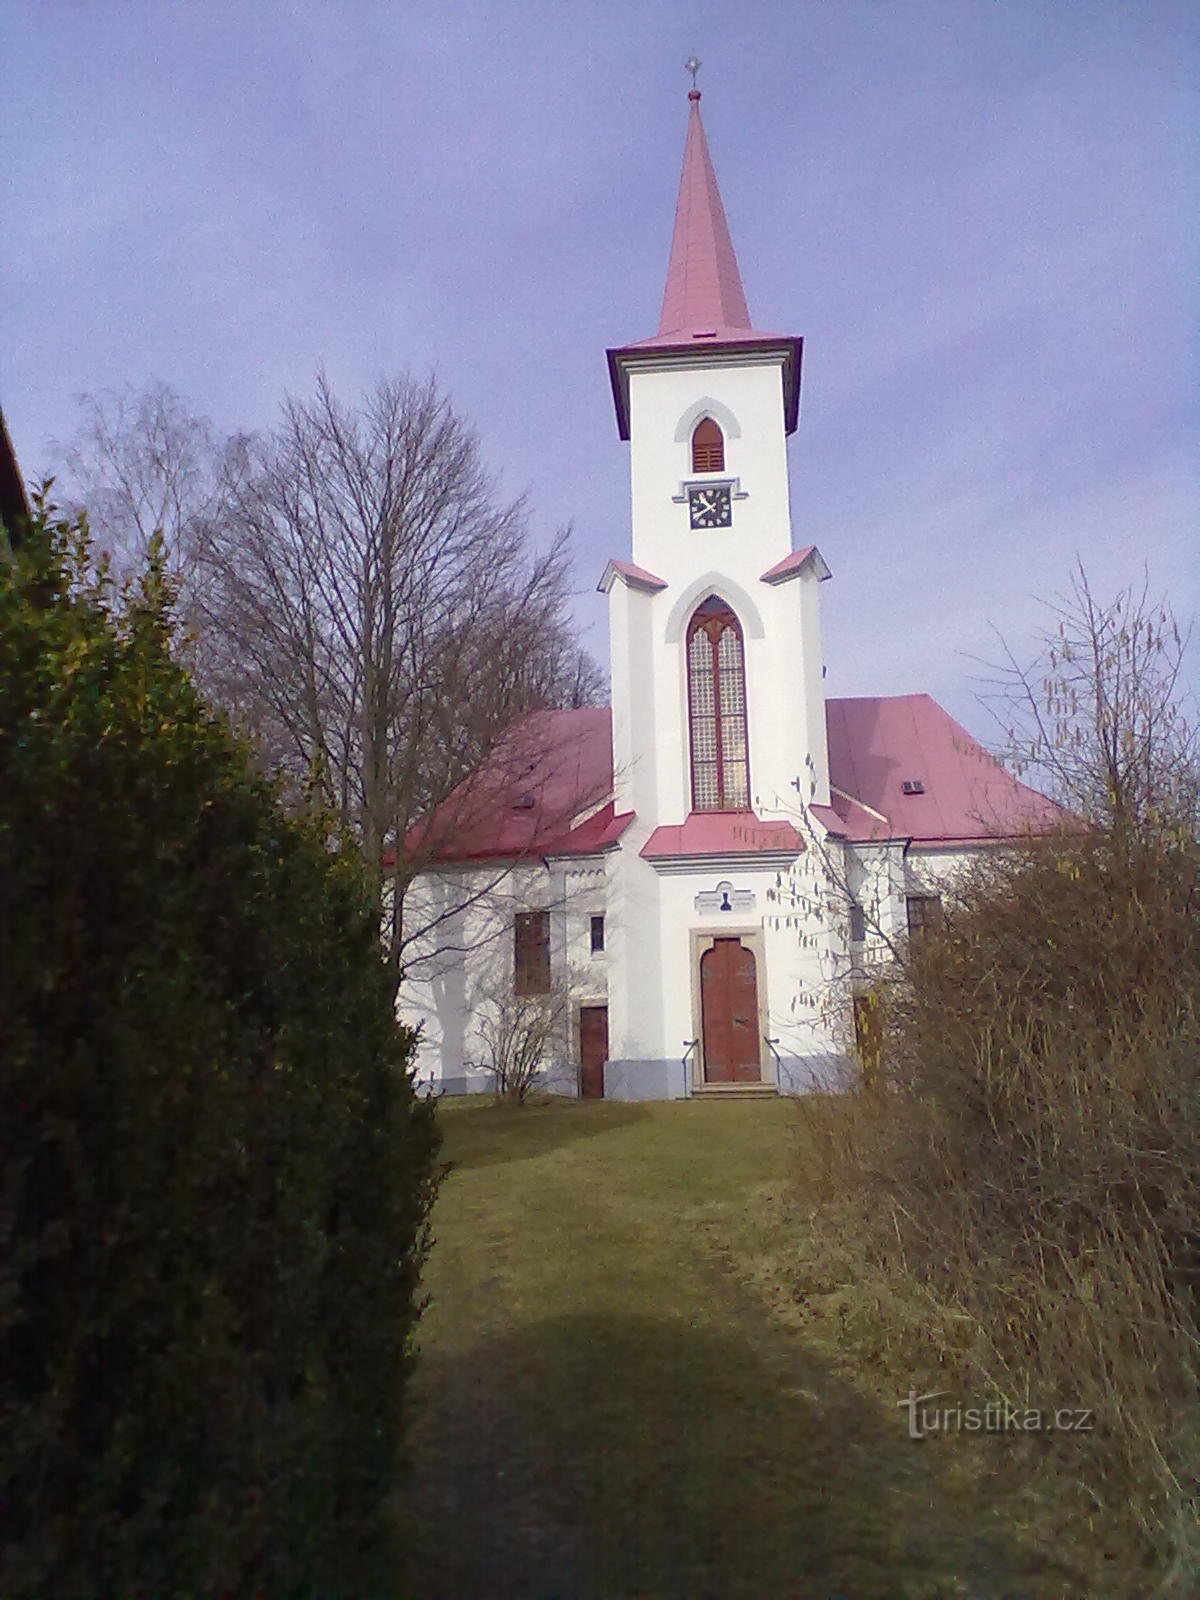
(593, 1050)
(729, 1013)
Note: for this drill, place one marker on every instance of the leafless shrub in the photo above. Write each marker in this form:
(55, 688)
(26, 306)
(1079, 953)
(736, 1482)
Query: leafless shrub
(1102, 716)
(1020, 1201)
(521, 1036)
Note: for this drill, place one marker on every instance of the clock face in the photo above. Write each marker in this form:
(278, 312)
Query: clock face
(710, 507)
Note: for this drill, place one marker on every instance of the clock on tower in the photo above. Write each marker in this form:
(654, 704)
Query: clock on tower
(710, 506)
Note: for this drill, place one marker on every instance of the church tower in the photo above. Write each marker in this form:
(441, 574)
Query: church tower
(719, 734)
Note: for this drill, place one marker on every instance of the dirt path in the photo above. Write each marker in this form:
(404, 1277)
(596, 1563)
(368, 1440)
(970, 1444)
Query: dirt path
(607, 1408)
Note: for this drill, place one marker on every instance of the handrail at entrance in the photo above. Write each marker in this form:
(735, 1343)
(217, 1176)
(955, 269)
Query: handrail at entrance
(771, 1043)
(689, 1046)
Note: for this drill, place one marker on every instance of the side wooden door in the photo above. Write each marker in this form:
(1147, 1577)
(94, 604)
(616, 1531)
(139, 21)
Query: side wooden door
(593, 1050)
(729, 1013)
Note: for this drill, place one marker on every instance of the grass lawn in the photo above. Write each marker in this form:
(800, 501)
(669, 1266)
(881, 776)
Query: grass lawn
(614, 1401)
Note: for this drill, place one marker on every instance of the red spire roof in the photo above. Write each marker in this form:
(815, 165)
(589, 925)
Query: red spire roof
(704, 293)
(704, 304)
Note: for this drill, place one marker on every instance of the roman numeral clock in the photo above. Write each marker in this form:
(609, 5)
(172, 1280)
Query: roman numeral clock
(710, 506)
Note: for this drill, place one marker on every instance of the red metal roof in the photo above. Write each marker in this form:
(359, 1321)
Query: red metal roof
(722, 833)
(632, 573)
(545, 790)
(877, 744)
(704, 291)
(796, 562)
(562, 762)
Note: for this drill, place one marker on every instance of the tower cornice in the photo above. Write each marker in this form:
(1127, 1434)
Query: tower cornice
(754, 350)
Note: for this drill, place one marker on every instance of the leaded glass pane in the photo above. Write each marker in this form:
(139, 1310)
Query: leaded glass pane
(705, 793)
(704, 738)
(737, 794)
(701, 672)
(733, 738)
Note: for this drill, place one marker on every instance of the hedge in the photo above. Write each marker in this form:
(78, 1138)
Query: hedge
(215, 1170)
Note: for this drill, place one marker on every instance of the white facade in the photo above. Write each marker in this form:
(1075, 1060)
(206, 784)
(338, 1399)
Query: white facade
(661, 915)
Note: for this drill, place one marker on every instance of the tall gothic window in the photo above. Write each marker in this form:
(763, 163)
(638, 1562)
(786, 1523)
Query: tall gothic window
(708, 447)
(717, 709)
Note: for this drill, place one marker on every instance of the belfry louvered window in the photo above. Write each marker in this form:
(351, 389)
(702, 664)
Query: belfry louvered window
(717, 709)
(708, 447)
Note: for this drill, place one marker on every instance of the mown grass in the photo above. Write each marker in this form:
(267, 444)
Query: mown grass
(618, 1395)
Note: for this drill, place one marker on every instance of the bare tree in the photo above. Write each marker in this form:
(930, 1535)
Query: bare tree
(1100, 717)
(142, 463)
(382, 623)
(359, 599)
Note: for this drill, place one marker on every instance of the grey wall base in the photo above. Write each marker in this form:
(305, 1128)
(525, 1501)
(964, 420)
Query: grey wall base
(465, 1083)
(645, 1080)
(670, 1080)
(827, 1073)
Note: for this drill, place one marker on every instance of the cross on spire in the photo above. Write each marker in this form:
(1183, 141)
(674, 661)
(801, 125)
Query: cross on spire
(693, 65)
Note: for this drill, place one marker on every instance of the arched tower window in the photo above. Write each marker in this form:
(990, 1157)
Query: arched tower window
(708, 447)
(716, 671)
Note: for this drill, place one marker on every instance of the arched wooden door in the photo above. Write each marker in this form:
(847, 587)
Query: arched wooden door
(729, 1013)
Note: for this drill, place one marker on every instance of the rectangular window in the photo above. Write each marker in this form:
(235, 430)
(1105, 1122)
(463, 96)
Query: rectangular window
(597, 935)
(924, 914)
(531, 940)
(858, 923)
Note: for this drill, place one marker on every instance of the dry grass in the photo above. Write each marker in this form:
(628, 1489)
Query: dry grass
(1014, 1210)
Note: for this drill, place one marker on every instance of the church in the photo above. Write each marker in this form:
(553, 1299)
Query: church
(687, 894)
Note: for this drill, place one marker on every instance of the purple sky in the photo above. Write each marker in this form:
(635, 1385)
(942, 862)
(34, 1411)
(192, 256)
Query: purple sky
(979, 213)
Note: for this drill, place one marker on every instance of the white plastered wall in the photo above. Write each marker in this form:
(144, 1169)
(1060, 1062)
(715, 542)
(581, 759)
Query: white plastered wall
(653, 999)
(466, 960)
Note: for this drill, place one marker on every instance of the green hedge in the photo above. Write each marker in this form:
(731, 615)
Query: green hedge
(215, 1171)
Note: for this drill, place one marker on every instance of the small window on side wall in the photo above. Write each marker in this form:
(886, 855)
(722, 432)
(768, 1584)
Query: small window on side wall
(531, 941)
(858, 923)
(597, 935)
(708, 447)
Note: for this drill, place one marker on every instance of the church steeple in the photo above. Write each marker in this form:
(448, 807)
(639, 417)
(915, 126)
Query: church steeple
(704, 304)
(704, 297)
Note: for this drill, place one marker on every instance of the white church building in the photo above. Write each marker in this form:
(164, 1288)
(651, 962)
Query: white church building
(697, 883)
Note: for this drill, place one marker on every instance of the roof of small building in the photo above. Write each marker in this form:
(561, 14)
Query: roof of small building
(547, 791)
(14, 500)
